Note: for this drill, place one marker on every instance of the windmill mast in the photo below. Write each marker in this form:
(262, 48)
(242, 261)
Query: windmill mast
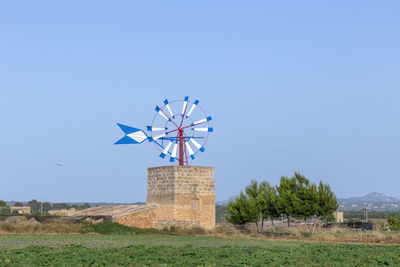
(181, 147)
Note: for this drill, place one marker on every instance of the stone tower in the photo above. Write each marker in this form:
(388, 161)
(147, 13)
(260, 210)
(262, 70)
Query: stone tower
(184, 196)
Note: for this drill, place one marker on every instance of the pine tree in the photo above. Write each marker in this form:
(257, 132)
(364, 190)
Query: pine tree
(327, 202)
(286, 200)
(242, 210)
(267, 202)
(306, 201)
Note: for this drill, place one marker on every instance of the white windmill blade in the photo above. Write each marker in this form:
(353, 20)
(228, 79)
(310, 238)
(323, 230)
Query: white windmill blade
(202, 120)
(203, 129)
(166, 149)
(197, 145)
(168, 107)
(189, 149)
(192, 108)
(173, 154)
(154, 138)
(184, 104)
(156, 128)
(159, 111)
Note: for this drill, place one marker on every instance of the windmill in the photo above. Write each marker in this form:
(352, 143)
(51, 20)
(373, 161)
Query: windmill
(177, 130)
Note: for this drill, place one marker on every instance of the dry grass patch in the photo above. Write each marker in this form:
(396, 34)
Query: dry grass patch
(333, 235)
(31, 226)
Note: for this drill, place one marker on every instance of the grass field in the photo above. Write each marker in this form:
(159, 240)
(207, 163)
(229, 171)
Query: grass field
(169, 250)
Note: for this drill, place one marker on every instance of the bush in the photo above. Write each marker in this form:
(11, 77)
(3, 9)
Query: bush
(109, 228)
(3, 204)
(394, 223)
(5, 210)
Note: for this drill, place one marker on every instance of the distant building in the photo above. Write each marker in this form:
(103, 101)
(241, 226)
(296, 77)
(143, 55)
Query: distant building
(338, 216)
(21, 210)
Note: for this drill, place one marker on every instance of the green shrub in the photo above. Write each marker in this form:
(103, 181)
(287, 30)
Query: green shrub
(109, 228)
(394, 223)
(5, 210)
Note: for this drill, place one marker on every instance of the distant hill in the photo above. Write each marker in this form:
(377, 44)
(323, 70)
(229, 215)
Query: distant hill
(225, 202)
(371, 197)
(372, 201)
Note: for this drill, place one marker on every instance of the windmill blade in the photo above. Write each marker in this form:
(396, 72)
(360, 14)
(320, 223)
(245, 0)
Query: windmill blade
(132, 135)
(156, 128)
(197, 145)
(138, 136)
(203, 120)
(192, 108)
(159, 111)
(184, 105)
(189, 149)
(168, 108)
(127, 129)
(173, 154)
(203, 129)
(166, 149)
(154, 138)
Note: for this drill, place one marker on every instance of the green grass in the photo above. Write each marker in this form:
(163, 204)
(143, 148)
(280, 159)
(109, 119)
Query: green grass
(167, 250)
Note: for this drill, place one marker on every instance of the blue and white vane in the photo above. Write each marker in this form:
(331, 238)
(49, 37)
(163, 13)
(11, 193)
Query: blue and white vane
(179, 130)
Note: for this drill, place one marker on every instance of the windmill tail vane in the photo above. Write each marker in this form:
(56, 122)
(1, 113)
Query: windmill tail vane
(178, 131)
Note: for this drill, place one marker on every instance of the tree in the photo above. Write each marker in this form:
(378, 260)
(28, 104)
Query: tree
(394, 223)
(35, 206)
(3, 203)
(286, 197)
(4, 208)
(46, 206)
(243, 210)
(266, 201)
(327, 202)
(252, 192)
(60, 206)
(306, 200)
(18, 204)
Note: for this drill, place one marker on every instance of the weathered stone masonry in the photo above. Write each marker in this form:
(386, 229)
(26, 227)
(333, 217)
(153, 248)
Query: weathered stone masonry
(184, 196)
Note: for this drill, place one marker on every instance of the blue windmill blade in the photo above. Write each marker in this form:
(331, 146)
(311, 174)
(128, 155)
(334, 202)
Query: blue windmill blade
(166, 150)
(197, 145)
(202, 120)
(166, 103)
(156, 128)
(185, 102)
(210, 129)
(132, 135)
(190, 150)
(173, 153)
(194, 105)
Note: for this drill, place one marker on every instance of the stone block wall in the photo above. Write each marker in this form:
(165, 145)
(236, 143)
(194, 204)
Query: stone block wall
(143, 218)
(184, 195)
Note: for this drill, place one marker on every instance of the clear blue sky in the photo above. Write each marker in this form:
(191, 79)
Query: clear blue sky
(309, 86)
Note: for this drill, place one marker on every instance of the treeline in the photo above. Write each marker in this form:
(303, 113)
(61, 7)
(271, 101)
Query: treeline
(37, 206)
(294, 197)
(360, 214)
